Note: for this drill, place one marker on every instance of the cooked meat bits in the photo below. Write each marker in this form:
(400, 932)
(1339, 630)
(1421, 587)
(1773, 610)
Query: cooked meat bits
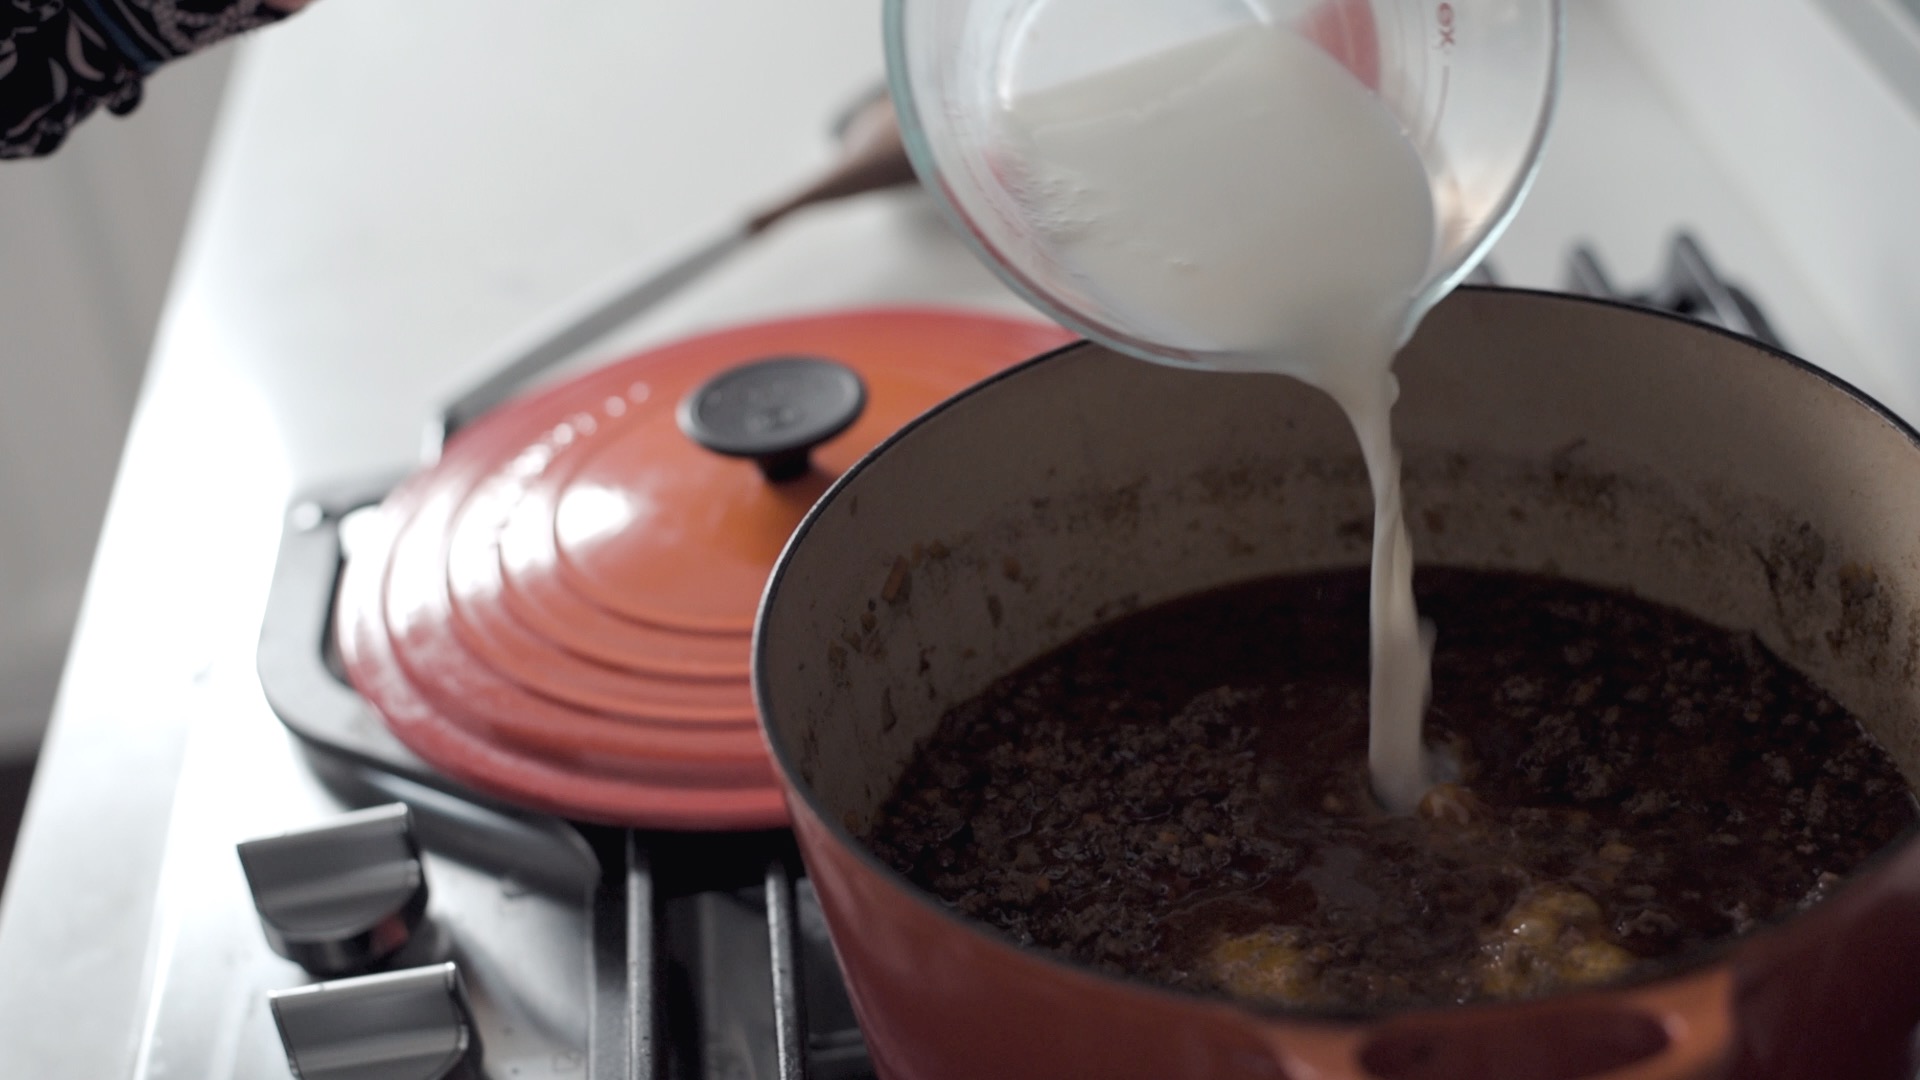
(1181, 795)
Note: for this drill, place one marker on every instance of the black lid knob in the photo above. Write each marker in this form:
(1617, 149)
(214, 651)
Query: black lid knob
(774, 411)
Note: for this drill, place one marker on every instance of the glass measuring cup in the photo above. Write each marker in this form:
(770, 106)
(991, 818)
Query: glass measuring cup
(1471, 83)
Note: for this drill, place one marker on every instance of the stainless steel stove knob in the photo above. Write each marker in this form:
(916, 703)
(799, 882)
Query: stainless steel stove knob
(398, 1025)
(343, 897)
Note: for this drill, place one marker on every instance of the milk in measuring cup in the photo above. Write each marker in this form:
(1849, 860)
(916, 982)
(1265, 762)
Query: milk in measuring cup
(1244, 193)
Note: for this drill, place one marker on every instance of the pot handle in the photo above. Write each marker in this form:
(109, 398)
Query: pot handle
(1673, 1030)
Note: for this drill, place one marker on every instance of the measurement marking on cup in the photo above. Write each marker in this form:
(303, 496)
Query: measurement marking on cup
(1446, 21)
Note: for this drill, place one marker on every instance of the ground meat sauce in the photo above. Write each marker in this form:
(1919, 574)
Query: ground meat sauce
(1181, 795)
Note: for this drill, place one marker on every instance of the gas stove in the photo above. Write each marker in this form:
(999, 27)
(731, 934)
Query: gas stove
(411, 928)
(512, 945)
(406, 926)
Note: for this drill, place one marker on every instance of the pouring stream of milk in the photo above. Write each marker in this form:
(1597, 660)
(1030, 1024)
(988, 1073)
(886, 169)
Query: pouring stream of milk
(1243, 194)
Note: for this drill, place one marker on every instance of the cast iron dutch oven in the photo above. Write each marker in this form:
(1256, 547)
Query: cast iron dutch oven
(1551, 434)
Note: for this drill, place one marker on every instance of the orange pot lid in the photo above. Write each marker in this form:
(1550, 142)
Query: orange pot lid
(557, 612)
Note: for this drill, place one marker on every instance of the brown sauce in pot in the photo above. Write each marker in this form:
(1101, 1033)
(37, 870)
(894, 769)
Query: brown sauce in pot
(1181, 795)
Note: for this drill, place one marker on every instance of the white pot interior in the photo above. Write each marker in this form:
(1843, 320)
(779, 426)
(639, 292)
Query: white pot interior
(1540, 433)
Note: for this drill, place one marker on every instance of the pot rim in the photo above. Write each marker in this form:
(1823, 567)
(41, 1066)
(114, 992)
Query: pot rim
(1671, 968)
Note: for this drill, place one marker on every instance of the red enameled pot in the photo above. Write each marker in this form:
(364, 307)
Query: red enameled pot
(1541, 433)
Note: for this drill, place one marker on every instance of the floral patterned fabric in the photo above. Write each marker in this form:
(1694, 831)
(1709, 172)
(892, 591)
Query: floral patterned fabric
(62, 59)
